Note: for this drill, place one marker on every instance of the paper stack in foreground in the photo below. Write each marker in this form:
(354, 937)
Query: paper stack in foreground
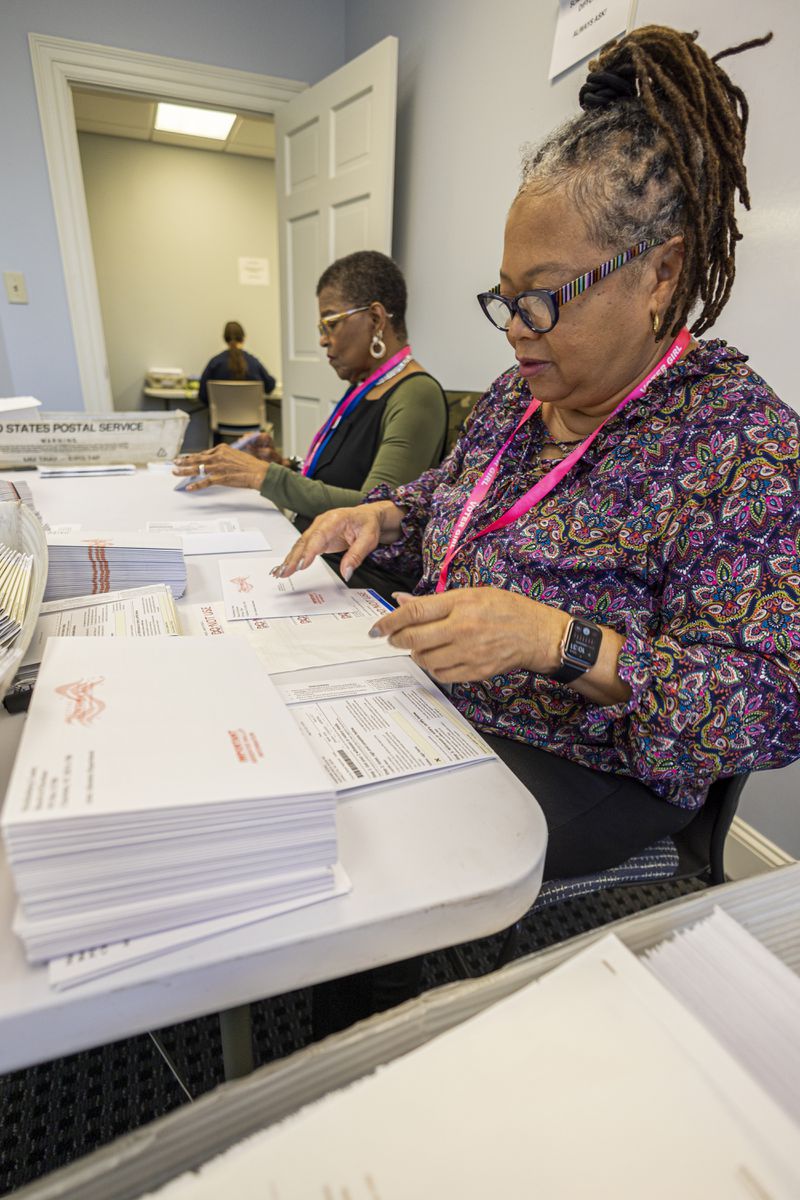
(567, 1089)
(82, 564)
(159, 782)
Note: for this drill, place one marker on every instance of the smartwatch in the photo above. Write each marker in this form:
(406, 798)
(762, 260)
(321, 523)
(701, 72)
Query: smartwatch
(579, 649)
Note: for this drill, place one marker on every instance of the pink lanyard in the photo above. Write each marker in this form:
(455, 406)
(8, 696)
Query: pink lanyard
(552, 478)
(348, 402)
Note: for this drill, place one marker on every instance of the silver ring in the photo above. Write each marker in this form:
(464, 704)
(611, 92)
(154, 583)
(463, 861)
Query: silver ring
(202, 469)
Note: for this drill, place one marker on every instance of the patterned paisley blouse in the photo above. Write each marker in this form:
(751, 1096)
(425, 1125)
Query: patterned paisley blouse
(680, 529)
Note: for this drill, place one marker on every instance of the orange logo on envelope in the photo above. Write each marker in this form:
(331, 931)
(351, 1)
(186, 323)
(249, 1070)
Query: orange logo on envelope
(85, 705)
(243, 584)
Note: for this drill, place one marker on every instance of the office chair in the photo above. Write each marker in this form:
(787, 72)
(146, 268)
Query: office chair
(235, 406)
(695, 852)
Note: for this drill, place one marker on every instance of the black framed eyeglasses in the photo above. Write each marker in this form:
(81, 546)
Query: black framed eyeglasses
(539, 309)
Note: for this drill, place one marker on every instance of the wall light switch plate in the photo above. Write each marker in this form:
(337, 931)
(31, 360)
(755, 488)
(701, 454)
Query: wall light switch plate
(15, 287)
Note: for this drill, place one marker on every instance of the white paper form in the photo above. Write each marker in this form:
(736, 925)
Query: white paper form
(389, 731)
(296, 643)
(337, 689)
(132, 612)
(78, 968)
(570, 1088)
(223, 536)
(249, 590)
(220, 525)
(78, 472)
(12, 404)
(242, 542)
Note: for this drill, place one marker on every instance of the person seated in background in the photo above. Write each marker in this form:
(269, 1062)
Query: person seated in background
(609, 558)
(234, 363)
(387, 429)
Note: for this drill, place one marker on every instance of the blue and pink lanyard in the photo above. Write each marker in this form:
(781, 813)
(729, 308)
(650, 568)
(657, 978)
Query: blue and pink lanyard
(552, 478)
(349, 401)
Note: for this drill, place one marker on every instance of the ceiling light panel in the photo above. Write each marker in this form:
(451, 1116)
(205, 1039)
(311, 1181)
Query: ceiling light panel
(194, 122)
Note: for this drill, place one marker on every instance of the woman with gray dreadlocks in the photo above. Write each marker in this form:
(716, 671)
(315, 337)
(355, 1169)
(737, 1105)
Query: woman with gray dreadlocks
(610, 557)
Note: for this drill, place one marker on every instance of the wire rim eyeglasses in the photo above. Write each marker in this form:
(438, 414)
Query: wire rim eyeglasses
(540, 308)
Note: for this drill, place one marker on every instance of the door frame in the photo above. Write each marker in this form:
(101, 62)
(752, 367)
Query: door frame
(58, 64)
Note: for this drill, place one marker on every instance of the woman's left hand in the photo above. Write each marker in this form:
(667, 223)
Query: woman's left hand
(224, 466)
(474, 633)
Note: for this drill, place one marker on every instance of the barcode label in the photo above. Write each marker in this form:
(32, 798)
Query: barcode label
(345, 757)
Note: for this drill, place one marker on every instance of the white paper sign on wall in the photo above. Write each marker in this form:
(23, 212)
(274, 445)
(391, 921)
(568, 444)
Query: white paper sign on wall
(254, 271)
(583, 26)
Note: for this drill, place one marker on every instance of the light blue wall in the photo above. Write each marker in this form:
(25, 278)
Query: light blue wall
(294, 39)
(473, 88)
(5, 370)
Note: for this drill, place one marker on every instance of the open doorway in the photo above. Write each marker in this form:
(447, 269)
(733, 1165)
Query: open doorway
(61, 65)
(334, 156)
(184, 238)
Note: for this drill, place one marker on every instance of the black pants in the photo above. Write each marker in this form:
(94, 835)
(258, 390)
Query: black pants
(594, 821)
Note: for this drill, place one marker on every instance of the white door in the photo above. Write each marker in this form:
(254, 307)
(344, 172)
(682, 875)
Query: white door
(335, 172)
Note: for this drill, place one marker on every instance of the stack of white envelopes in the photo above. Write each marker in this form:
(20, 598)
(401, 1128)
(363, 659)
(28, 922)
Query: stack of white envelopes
(82, 564)
(159, 782)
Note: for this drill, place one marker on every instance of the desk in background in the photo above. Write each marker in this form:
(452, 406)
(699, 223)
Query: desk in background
(179, 396)
(434, 861)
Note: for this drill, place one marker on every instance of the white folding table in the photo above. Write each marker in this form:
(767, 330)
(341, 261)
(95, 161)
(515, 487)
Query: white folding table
(433, 861)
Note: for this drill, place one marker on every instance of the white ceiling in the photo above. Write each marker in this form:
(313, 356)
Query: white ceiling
(119, 114)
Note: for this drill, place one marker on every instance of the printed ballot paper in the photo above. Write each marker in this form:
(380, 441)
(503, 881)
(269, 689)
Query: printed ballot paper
(294, 643)
(377, 727)
(134, 612)
(115, 829)
(249, 590)
(212, 537)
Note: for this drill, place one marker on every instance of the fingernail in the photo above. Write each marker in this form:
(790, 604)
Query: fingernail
(375, 632)
(347, 574)
(301, 564)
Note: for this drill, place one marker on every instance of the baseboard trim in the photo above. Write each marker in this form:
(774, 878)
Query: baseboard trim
(748, 852)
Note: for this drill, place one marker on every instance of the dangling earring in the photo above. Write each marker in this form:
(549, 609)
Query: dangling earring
(656, 322)
(377, 346)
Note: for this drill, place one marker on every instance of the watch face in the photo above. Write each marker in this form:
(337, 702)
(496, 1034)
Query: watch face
(583, 643)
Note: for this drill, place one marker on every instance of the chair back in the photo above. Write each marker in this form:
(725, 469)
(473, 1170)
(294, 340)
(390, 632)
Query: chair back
(459, 407)
(694, 852)
(236, 405)
(701, 843)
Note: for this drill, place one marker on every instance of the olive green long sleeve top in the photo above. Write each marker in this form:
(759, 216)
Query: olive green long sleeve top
(412, 434)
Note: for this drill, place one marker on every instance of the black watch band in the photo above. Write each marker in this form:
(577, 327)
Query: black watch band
(579, 650)
(566, 674)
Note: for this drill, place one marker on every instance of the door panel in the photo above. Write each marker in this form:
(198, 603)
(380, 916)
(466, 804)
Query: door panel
(335, 170)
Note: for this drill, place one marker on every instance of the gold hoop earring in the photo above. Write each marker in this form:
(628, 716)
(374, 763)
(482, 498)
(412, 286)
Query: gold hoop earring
(377, 346)
(656, 322)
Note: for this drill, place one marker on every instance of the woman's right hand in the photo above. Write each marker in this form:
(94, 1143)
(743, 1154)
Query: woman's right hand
(356, 531)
